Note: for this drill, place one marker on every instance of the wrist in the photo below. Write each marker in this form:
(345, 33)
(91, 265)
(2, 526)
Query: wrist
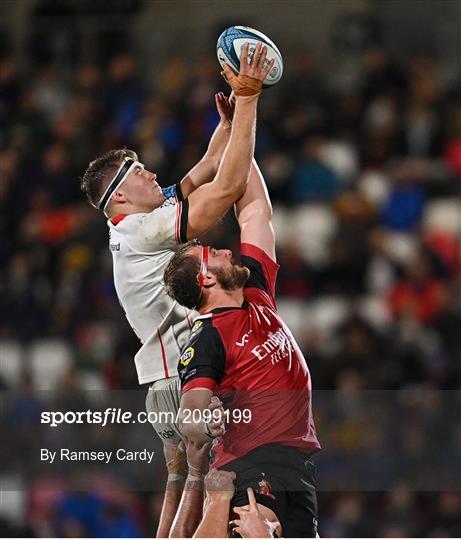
(196, 472)
(247, 100)
(226, 125)
(195, 479)
(219, 496)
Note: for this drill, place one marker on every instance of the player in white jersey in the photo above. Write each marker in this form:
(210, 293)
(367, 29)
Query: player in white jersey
(146, 225)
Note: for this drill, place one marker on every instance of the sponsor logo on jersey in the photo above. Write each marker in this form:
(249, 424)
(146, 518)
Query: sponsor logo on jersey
(244, 339)
(166, 434)
(187, 356)
(264, 487)
(276, 347)
(114, 247)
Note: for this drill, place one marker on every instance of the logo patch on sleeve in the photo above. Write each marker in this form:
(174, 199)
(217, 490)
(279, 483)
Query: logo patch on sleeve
(197, 325)
(187, 356)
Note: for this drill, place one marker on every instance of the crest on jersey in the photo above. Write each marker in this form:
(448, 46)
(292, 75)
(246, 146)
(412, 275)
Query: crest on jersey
(197, 325)
(264, 487)
(187, 356)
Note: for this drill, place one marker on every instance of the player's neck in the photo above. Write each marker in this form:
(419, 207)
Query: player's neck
(222, 298)
(128, 209)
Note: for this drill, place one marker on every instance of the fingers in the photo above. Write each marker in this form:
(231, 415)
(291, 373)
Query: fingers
(240, 511)
(215, 402)
(252, 499)
(269, 66)
(261, 56)
(227, 72)
(244, 55)
(257, 65)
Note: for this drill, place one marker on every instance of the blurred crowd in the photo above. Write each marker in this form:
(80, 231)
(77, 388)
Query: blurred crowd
(364, 172)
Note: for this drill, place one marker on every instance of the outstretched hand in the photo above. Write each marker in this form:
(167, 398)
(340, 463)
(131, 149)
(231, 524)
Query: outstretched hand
(197, 456)
(225, 107)
(250, 523)
(248, 82)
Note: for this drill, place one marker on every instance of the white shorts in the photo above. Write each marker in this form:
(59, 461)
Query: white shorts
(163, 397)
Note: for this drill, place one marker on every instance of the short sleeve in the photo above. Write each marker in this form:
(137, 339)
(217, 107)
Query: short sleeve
(163, 228)
(263, 273)
(203, 360)
(173, 192)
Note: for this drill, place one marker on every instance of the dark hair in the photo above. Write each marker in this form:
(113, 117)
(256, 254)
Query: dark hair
(100, 172)
(180, 278)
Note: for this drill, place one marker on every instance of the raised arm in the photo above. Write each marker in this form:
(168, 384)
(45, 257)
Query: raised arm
(208, 203)
(220, 490)
(207, 167)
(254, 214)
(189, 512)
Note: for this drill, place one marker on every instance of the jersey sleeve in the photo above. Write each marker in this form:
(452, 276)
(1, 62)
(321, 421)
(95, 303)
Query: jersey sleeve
(263, 274)
(163, 228)
(203, 360)
(173, 192)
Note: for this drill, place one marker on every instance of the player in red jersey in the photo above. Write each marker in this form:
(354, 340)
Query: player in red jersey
(241, 350)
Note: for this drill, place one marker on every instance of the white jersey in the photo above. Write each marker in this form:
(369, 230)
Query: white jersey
(141, 246)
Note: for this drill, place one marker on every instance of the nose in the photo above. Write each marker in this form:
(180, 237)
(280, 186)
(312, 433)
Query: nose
(228, 253)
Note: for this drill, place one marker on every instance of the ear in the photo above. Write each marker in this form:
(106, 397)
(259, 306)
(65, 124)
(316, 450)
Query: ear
(209, 281)
(119, 197)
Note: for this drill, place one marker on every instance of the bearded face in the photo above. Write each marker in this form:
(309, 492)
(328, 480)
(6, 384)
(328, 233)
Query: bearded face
(231, 278)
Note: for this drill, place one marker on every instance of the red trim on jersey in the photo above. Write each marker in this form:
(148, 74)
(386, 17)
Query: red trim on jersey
(269, 266)
(117, 219)
(178, 223)
(200, 382)
(165, 367)
(257, 253)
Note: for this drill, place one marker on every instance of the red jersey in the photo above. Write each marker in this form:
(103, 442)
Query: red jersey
(250, 359)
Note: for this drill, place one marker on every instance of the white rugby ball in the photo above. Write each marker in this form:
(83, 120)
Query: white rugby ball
(231, 41)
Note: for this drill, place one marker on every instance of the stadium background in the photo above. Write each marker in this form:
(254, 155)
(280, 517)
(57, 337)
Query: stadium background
(360, 145)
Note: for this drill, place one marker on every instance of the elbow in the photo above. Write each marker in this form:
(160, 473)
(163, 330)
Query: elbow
(261, 212)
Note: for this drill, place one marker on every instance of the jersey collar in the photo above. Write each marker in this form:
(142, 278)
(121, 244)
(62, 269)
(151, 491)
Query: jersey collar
(117, 219)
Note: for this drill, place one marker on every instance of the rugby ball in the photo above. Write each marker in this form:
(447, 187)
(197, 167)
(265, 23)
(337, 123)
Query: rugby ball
(231, 41)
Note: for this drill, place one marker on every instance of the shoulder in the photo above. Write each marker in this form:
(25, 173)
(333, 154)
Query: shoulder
(202, 362)
(204, 331)
(263, 270)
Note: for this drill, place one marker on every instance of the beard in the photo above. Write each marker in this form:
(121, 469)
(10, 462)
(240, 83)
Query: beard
(232, 278)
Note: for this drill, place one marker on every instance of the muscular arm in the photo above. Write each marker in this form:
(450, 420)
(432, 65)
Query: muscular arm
(207, 167)
(175, 458)
(189, 511)
(192, 425)
(254, 214)
(215, 520)
(173, 492)
(190, 508)
(208, 203)
(220, 489)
